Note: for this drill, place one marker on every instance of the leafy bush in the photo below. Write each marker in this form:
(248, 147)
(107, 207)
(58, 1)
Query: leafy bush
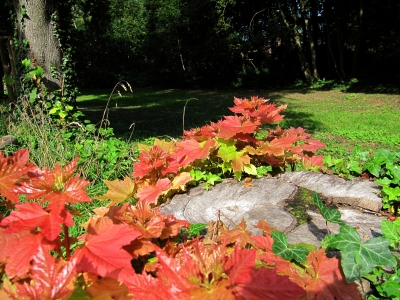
(134, 251)
(383, 166)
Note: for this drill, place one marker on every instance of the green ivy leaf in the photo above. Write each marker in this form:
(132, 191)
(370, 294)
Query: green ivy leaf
(329, 214)
(394, 171)
(391, 288)
(26, 62)
(359, 259)
(8, 80)
(381, 157)
(213, 178)
(33, 95)
(391, 193)
(391, 231)
(280, 247)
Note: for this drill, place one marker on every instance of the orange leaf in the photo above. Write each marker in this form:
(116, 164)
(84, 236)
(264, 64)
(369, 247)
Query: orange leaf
(110, 288)
(327, 280)
(11, 169)
(234, 124)
(265, 227)
(239, 235)
(118, 191)
(150, 194)
(190, 150)
(258, 284)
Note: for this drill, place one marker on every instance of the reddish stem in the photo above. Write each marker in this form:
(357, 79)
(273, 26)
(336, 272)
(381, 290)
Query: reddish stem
(66, 240)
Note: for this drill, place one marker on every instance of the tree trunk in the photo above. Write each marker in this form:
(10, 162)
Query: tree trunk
(339, 35)
(35, 27)
(359, 39)
(328, 43)
(305, 67)
(311, 43)
(6, 66)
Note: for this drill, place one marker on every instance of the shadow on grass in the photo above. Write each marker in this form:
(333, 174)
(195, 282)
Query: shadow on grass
(156, 113)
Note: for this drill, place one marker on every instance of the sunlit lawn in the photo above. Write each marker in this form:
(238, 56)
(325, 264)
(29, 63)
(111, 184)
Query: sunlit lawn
(340, 119)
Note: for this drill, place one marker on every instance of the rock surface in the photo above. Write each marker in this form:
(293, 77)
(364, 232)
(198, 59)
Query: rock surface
(265, 199)
(358, 193)
(8, 140)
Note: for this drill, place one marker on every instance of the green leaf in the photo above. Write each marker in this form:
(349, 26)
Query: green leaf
(390, 289)
(329, 214)
(250, 169)
(63, 114)
(359, 259)
(262, 170)
(355, 167)
(8, 80)
(280, 247)
(195, 229)
(26, 62)
(38, 71)
(53, 110)
(391, 193)
(394, 171)
(391, 231)
(213, 178)
(381, 157)
(33, 95)
(383, 181)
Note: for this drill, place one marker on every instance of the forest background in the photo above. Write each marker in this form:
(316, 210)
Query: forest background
(213, 43)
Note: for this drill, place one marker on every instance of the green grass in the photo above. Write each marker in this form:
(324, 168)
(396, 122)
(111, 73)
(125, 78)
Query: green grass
(340, 119)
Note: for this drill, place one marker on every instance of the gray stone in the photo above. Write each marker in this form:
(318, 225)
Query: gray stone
(313, 232)
(232, 201)
(235, 201)
(8, 140)
(357, 193)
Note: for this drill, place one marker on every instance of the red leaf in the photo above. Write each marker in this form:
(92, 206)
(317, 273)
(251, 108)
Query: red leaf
(57, 185)
(172, 226)
(190, 150)
(327, 280)
(174, 274)
(153, 159)
(29, 216)
(234, 124)
(150, 194)
(266, 284)
(17, 250)
(146, 287)
(49, 279)
(258, 108)
(240, 264)
(202, 134)
(103, 253)
(315, 160)
(11, 169)
(258, 284)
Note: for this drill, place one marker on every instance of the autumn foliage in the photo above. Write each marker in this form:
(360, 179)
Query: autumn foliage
(132, 251)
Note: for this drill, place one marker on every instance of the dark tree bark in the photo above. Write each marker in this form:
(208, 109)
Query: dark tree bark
(295, 32)
(359, 38)
(35, 27)
(311, 44)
